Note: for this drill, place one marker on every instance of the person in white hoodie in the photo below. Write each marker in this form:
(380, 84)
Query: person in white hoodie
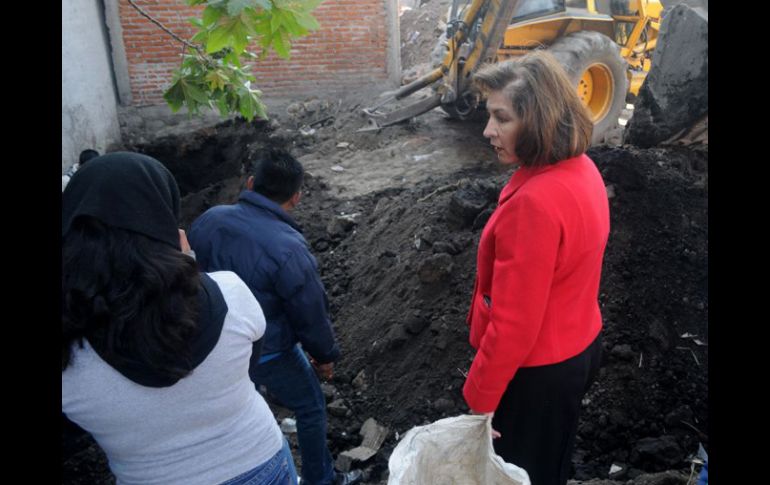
(155, 354)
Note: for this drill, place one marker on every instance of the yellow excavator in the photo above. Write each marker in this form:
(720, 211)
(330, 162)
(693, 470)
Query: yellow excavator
(604, 45)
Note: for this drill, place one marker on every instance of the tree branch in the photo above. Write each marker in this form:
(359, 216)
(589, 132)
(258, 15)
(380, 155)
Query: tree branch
(164, 28)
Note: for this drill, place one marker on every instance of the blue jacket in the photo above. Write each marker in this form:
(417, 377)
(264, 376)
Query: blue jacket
(258, 240)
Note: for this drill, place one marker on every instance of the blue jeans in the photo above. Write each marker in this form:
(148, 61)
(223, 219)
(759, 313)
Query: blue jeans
(703, 479)
(292, 380)
(278, 470)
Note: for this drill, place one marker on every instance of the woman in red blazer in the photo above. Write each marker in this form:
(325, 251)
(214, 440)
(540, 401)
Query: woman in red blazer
(534, 317)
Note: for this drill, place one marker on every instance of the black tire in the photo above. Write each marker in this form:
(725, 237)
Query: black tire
(577, 52)
(463, 108)
(459, 110)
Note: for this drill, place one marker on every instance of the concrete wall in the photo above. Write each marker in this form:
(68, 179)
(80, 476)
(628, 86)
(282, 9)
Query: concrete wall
(89, 101)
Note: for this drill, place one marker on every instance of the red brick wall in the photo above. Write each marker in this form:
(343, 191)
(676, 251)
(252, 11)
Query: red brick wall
(349, 50)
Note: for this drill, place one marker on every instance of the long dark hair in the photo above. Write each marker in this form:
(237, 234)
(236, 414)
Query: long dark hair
(133, 297)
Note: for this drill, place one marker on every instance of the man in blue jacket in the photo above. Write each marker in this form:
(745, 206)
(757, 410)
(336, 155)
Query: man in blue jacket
(257, 239)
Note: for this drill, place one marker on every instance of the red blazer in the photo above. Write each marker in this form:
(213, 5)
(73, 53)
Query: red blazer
(535, 300)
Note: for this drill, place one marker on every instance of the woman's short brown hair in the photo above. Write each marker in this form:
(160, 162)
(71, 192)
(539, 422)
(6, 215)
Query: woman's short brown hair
(554, 124)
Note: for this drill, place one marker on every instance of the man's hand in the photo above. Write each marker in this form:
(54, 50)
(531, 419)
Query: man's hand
(325, 371)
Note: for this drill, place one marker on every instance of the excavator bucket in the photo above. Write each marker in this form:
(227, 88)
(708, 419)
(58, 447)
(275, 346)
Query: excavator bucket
(378, 120)
(465, 54)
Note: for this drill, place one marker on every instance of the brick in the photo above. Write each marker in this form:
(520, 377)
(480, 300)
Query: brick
(349, 49)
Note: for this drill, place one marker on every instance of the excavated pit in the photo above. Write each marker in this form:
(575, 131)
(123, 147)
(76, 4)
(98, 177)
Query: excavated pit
(399, 274)
(394, 218)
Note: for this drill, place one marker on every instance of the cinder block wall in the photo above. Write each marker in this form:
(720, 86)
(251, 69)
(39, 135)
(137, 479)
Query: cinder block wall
(351, 49)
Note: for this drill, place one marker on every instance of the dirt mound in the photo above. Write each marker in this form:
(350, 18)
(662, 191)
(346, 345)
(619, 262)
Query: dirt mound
(400, 281)
(398, 265)
(422, 27)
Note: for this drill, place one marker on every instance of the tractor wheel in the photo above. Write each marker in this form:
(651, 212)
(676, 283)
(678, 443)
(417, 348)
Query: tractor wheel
(462, 109)
(593, 63)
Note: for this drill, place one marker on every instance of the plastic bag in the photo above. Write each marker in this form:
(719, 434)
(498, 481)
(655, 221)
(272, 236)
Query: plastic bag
(452, 451)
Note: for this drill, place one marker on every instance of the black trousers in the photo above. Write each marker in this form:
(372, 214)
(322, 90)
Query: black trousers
(538, 415)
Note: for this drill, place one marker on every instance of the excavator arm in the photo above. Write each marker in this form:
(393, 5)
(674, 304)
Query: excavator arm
(466, 51)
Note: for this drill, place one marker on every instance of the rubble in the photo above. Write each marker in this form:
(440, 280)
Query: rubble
(288, 426)
(435, 268)
(338, 408)
(374, 435)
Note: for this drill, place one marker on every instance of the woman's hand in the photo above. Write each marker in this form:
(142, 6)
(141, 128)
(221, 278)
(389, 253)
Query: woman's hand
(495, 433)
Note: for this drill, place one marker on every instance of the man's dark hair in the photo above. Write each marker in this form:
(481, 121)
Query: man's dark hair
(87, 155)
(134, 298)
(277, 174)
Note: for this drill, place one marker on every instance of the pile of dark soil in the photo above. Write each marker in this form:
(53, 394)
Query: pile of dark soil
(401, 278)
(398, 265)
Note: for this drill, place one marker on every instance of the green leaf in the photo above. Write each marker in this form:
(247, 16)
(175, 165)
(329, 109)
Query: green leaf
(232, 58)
(191, 63)
(174, 96)
(219, 38)
(194, 92)
(292, 27)
(276, 21)
(247, 106)
(211, 15)
(231, 33)
(262, 27)
(261, 112)
(297, 5)
(201, 37)
(232, 100)
(223, 106)
(309, 5)
(249, 24)
(235, 7)
(216, 79)
(307, 21)
(266, 40)
(250, 98)
(225, 29)
(240, 36)
(285, 4)
(281, 46)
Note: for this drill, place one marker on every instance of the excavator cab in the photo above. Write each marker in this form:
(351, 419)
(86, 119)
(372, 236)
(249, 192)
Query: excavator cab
(528, 9)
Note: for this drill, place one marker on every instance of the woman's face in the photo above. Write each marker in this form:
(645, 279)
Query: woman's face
(502, 126)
